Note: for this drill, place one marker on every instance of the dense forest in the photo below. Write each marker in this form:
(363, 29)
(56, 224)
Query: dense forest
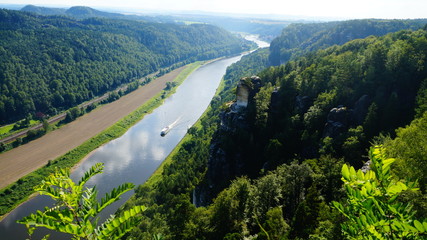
(265, 28)
(273, 169)
(326, 139)
(298, 39)
(82, 12)
(52, 63)
(78, 12)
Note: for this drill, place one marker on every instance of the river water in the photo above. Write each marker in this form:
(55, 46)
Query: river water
(138, 153)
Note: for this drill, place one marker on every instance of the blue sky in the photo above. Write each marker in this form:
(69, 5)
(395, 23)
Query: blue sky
(315, 8)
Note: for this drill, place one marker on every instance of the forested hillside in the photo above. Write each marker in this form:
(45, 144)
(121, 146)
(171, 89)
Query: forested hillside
(51, 63)
(265, 28)
(298, 39)
(280, 157)
(82, 12)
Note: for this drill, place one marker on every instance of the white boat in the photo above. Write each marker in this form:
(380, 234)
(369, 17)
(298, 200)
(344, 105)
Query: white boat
(165, 131)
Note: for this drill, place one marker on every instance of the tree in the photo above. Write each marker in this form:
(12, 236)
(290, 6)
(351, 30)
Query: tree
(46, 126)
(170, 85)
(275, 227)
(262, 102)
(228, 209)
(410, 150)
(353, 147)
(72, 114)
(373, 210)
(306, 216)
(370, 124)
(265, 194)
(76, 208)
(422, 99)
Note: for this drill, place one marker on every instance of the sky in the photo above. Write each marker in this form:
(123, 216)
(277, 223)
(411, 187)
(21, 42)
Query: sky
(346, 9)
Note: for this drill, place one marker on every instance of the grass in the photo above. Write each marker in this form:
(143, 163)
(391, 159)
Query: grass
(20, 191)
(7, 129)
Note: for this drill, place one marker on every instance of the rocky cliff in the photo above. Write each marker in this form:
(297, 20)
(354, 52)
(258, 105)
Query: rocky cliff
(235, 146)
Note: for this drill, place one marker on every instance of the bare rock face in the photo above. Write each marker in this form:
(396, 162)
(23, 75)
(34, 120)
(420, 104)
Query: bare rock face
(337, 122)
(302, 104)
(340, 119)
(225, 157)
(339, 114)
(246, 90)
(242, 94)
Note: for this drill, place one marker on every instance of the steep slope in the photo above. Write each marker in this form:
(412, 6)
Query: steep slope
(330, 106)
(301, 122)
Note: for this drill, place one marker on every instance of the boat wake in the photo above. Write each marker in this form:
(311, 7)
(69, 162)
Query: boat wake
(166, 129)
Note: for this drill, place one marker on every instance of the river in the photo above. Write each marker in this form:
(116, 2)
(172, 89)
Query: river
(139, 152)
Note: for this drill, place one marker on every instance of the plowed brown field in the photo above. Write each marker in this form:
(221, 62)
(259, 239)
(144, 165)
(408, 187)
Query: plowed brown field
(27, 158)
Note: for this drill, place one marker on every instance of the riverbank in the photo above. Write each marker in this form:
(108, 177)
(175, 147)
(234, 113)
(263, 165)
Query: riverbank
(156, 176)
(113, 119)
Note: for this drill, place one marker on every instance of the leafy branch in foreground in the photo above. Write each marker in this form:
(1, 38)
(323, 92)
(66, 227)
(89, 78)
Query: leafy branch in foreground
(76, 208)
(373, 209)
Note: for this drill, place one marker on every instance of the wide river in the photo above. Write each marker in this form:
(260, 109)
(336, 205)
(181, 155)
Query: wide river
(139, 152)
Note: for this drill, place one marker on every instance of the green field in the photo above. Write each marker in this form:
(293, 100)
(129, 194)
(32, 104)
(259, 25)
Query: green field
(7, 129)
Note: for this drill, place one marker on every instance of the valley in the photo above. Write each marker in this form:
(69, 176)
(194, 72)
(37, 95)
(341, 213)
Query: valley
(319, 134)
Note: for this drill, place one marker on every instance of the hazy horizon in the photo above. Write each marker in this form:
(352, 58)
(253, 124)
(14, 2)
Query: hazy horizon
(385, 9)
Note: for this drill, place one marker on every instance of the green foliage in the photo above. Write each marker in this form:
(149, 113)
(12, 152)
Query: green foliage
(249, 65)
(76, 208)
(275, 226)
(228, 211)
(298, 39)
(422, 99)
(170, 85)
(353, 146)
(18, 192)
(410, 150)
(262, 103)
(73, 114)
(286, 128)
(371, 122)
(372, 209)
(46, 126)
(317, 113)
(55, 63)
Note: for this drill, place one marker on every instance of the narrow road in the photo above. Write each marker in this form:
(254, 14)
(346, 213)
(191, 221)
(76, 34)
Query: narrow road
(27, 158)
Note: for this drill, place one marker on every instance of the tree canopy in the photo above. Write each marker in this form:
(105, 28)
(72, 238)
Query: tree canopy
(272, 170)
(51, 63)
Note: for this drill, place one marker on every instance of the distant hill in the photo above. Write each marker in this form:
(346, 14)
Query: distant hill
(81, 12)
(267, 29)
(297, 39)
(44, 10)
(11, 6)
(78, 12)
